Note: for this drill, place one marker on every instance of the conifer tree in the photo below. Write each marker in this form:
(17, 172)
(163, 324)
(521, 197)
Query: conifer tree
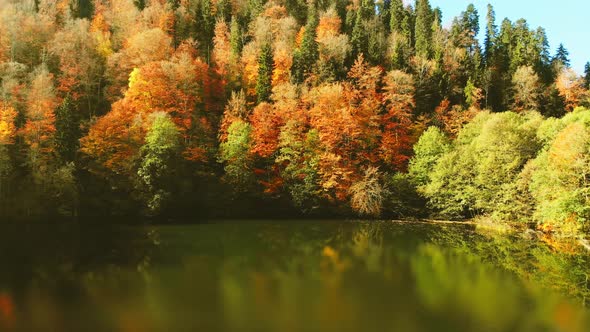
(359, 38)
(235, 36)
(491, 35)
(306, 56)
(562, 56)
(423, 28)
(67, 130)
(265, 68)
(397, 16)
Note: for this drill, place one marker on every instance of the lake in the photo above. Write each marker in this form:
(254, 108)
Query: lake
(314, 275)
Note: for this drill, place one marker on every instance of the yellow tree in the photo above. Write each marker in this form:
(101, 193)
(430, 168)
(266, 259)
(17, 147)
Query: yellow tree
(40, 122)
(526, 89)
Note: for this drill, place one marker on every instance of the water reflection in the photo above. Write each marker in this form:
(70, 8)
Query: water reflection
(297, 276)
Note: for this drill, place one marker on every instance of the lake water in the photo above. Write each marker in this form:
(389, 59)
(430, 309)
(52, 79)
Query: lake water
(289, 276)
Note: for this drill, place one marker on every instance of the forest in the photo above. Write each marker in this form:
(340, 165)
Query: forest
(288, 108)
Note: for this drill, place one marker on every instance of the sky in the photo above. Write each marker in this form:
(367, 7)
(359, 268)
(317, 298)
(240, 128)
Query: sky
(565, 21)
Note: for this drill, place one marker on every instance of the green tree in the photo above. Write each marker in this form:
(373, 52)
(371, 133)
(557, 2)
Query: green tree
(558, 180)
(265, 69)
(491, 35)
(397, 16)
(236, 37)
(159, 156)
(67, 133)
(423, 28)
(298, 152)
(234, 152)
(82, 8)
(140, 4)
(359, 38)
(561, 57)
(306, 56)
(478, 175)
(433, 143)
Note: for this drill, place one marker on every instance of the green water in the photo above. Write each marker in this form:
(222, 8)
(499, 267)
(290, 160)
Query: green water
(289, 276)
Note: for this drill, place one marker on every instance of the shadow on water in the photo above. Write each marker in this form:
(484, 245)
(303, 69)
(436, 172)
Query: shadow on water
(288, 276)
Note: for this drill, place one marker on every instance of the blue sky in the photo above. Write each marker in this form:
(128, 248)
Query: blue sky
(566, 21)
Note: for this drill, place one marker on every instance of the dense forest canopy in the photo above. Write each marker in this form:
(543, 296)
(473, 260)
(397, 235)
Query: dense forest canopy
(204, 107)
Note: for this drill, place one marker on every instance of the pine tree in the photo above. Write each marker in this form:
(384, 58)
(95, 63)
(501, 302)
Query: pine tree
(306, 56)
(204, 27)
(67, 126)
(470, 24)
(235, 35)
(562, 56)
(587, 75)
(223, 10)
(359, 38)
(397, 16)
(265, 68)
(491, 35)
(423, 28)
(140, 4)
(82, 8)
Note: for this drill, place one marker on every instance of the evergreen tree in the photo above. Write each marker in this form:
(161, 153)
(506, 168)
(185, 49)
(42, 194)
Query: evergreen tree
(204, 27)
(140, 4)
(397, 16)
(306, 56)
(67, 134)
(384, 11)
(223, 10)
(376, 43)
(359, 38)
(367, 9)
(265, 67)
(235, 35)
(491, 35)
(470, 25)
(587, 75)
(297, 9)
(423, 28)
(562, 56)
(82, 8)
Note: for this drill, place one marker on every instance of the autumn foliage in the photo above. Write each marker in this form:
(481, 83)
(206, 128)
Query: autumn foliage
(315, 105)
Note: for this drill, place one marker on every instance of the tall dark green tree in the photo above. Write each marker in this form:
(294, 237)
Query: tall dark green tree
(204, 27)
(423, 28)
(397, 15)
(307, 55)
(297, 9)
(82, 8)
(384, 11)
(140, 4)
(587, 75)
(562, 56)
(491, 35)
(67, 134)
(223, 10)
(265, 68)
(470, 25)
(235, 36)
(359, 38)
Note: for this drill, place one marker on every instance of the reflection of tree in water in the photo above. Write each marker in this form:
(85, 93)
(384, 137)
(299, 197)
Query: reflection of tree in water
(52, 272)
(271, 276)
(563, 266)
